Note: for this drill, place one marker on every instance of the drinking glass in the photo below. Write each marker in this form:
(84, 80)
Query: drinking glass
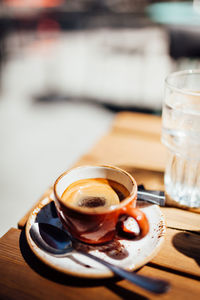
(181, 136)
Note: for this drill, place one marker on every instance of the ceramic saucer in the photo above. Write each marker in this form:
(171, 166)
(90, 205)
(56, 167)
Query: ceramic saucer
(128, 254)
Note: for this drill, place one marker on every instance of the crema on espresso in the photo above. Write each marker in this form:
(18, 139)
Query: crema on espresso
(94, 193)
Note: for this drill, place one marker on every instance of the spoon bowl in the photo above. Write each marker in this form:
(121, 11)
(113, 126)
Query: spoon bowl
(51, 239)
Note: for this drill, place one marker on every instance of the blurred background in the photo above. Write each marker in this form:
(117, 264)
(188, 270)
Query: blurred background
(66, 68)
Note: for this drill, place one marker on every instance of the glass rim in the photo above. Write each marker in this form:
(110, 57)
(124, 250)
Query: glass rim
(180, 73)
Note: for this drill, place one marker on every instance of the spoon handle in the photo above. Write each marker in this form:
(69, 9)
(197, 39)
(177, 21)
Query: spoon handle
(155, 197)
(151, 284)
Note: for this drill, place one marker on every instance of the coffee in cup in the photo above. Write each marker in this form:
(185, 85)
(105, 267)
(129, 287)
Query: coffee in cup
(94, 193)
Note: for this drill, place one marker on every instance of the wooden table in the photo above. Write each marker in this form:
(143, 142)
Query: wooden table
(133, 143)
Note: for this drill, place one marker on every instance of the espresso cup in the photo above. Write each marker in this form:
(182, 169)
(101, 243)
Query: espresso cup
(90, 201)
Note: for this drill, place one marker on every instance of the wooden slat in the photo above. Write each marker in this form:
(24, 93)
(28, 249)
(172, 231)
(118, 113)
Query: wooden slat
(23, 276)
(181, 219)
(180, 252)
(147, 124)
(133, 151)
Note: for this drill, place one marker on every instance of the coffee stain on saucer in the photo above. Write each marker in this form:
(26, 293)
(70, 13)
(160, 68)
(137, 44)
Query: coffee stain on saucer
(113, 249)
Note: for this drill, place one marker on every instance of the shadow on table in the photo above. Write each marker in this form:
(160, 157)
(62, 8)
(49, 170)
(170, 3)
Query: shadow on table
(188, 244)
(51, 274)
